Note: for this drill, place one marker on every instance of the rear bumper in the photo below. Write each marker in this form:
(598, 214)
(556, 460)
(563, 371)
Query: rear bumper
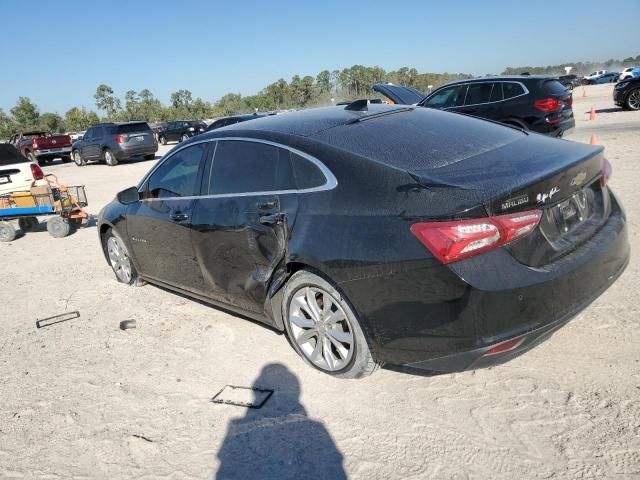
(425, 319)
(555, 129)
(124, 153)
(53, 152)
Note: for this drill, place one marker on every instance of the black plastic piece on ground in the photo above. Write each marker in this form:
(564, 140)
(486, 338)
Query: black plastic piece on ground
(63, 317)
(127, 324)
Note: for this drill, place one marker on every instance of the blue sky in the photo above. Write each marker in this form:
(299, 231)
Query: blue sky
(59, 55)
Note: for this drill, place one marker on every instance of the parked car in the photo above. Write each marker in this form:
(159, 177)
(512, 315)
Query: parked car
(610, 77)
(17, 173)
(538, 103)
(626, 93)
(180, 131)
(570, 81)
(75, 136)
(598, 73)
(42, 146)
(479, 242)
(629, 72)
(115, 142)
(225, 121)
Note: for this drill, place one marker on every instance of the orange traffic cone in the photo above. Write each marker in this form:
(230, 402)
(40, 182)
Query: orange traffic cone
(592, 114)
(593, 140)
(584, 92)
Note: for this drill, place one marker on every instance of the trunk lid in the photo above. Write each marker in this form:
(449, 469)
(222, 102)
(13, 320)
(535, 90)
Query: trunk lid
(559, 177)
(398, 94)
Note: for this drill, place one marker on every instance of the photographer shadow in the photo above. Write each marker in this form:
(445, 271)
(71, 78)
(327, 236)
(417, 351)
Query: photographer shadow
(278, 441)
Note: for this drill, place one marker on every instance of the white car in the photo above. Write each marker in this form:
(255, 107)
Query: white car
(594, 75)
(629, 72)
(17, 173)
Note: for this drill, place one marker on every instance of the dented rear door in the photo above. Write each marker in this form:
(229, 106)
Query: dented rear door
(240, 229)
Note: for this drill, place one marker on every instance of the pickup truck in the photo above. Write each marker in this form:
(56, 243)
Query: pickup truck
(17, 174)
(42, 147)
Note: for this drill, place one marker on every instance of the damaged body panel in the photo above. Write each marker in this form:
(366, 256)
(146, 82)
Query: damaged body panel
(457, 242)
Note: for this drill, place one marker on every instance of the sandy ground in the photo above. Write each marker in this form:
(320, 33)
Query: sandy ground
(83, 399)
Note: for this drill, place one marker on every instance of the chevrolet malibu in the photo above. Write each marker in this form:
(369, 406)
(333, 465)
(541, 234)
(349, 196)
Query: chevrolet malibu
(376, 234)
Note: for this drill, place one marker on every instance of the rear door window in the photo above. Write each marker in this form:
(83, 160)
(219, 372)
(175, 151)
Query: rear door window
(250, 167)
(512, 89)
(307, 174)
(178, 175)
(478, 93)
(496, 93)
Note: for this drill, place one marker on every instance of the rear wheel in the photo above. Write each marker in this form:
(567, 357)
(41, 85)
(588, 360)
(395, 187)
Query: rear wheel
(633, 99)
(7, 232)
(163, 140)
(109, 158)
(28, 224)
(58, 227)
(184, 138)
(323, 328)
(119, 258)
(77, 158)
(66, 159)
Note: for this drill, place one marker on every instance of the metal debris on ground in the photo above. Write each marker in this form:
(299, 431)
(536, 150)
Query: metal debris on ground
(127, 324)
(242, 396)
(63, 317)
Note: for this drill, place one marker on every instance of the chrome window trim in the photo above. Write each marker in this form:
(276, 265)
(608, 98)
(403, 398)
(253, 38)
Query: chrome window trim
(330, 180)
(526, 92)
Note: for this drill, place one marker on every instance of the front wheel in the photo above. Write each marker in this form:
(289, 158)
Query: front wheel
(119, 259)
(323, 328)
(163, 140)
(109, 158)
(184, 138)
(77, 158)
(633, 99)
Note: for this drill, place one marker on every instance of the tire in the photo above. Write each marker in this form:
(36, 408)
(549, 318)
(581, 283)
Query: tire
(109, 158)
(7, 232)
(66, 159)
(77, 158)
(162, 140)
(119, 259)
(58, 227)
(184, 138)
(151, 156)
(327, 333)
(28, 224)
(633, 100)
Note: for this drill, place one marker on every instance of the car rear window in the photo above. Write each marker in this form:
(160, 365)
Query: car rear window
(554, 87)
(9, 155)
(133, 127)
(478, 93)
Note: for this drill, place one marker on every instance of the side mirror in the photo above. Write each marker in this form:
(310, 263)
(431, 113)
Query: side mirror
(128, 196)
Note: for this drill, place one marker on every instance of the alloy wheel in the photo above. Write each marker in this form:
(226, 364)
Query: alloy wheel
(634, 100)
(119, 259)
(320, 328)
(108, 157)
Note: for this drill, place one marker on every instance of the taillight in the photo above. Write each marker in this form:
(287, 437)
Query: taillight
(548, 105)
(119, 139)
(455, 240)
(606, 172)
(505, 346)
(36, 172)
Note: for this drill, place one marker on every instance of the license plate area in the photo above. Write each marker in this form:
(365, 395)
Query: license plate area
(573, 211)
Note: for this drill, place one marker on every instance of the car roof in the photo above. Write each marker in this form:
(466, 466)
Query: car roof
(119, 123)
(505, 78)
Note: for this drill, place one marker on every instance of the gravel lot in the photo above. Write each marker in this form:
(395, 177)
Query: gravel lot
(84, 399)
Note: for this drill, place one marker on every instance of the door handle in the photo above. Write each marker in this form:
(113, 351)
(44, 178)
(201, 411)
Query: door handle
(271, 218)
(267, 205)
(179, 217)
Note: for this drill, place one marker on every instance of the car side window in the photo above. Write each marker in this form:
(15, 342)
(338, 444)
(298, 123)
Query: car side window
(306, 173)
(512, 89)
(97, 132)
(496, 93)
(448, 97)
(478, 93)
(88, 134)
(250, 167)
(178, 175)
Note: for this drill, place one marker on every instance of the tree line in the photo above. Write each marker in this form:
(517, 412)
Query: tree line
(325, 88)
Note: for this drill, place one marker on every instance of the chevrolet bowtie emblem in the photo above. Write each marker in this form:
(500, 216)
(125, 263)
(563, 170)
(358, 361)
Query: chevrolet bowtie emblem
(578, 179)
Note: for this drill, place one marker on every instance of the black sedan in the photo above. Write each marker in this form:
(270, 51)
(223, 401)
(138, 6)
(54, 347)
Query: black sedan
(375, 234)
(626, 93)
